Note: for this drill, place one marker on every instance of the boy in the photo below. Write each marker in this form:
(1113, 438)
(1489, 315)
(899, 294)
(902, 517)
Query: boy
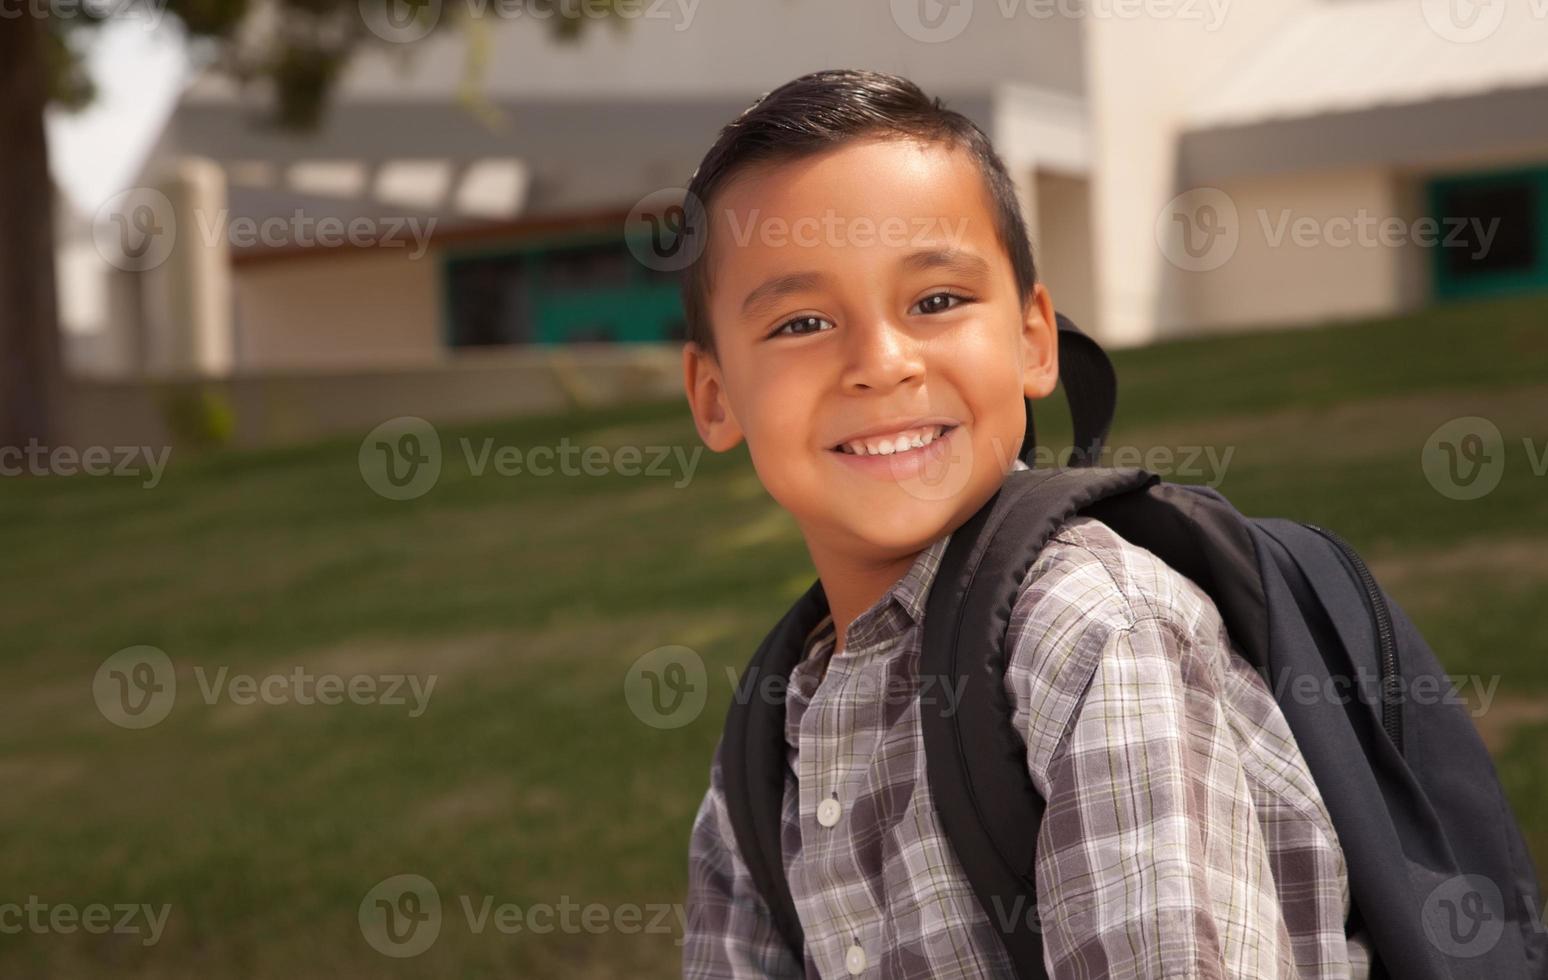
(879, 382)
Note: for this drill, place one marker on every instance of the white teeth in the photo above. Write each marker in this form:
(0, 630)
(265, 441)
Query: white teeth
(901, 443)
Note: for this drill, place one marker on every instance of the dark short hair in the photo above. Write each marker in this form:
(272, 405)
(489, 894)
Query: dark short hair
(820, 111)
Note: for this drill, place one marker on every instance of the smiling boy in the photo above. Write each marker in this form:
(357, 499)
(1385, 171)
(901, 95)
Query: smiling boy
(879, 380)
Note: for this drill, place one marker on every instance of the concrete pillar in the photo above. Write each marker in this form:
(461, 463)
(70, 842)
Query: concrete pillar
(187, 296)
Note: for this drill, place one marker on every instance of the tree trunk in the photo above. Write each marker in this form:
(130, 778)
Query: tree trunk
(31, 373)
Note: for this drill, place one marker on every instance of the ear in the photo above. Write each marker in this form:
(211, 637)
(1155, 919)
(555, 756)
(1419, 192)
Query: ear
(1039, 344)
(706, 392)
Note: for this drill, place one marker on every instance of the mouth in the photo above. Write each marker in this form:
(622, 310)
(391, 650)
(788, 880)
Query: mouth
(894, 443)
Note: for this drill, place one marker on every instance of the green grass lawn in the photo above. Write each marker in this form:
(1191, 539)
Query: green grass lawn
(528, 779)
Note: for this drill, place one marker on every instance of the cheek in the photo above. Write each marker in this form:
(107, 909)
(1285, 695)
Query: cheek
(781, 399)
(993, 390)
(780, 431)
(988, 373)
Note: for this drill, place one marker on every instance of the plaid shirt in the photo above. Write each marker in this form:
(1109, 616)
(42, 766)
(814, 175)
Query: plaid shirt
(1183, 835)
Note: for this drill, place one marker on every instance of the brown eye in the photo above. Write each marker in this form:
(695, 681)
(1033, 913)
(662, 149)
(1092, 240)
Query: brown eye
(939, 302)
(799, 325)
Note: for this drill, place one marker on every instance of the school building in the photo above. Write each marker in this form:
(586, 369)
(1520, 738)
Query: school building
(1185, 166)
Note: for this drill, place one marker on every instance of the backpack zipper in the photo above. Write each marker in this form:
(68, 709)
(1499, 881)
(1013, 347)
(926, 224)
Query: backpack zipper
(1391, 720)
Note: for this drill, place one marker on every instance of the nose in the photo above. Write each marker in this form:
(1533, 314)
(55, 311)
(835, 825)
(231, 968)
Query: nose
(880, 355)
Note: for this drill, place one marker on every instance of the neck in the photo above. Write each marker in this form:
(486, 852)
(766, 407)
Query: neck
(853, 583)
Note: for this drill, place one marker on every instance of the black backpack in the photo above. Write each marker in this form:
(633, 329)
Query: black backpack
(1439, 875)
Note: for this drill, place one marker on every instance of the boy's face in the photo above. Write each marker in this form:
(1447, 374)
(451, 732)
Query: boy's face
(863, 295)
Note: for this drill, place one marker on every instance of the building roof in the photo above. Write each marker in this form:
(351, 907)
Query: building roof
(691, 49)
(557, 128)
(543, 157)
(1325, 60)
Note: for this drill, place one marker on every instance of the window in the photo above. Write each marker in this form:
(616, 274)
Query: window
(1493, 233)
(586, 290)
(488, 301)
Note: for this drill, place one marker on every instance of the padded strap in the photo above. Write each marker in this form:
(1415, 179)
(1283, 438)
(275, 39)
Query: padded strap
(975, 759)
(753, 763)
(1090, 387)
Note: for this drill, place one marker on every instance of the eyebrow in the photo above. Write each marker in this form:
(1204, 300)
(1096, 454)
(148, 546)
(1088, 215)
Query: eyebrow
(773, 289)
(953, 259)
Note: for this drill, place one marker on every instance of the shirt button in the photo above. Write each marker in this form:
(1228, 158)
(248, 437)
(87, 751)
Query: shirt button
(828, 812)
(854, 960)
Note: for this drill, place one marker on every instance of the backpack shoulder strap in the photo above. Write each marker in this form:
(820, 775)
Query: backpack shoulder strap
(975, 761)
(753, 765)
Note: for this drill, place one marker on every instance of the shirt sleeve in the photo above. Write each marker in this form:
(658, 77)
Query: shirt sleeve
(728, 931)
(1151, 862)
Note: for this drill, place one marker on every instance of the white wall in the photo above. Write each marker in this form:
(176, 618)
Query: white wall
(1310, 247)
(358, 309)
(1142, 72)
(1062, 244)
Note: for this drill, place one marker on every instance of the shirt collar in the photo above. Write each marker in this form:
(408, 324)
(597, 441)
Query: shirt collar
(910, 593)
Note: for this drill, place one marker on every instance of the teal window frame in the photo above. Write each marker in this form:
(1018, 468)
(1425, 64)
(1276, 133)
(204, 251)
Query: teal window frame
(647, 307)
(1446, 284)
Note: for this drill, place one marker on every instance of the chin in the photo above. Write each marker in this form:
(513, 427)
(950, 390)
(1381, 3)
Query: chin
(899, 528)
